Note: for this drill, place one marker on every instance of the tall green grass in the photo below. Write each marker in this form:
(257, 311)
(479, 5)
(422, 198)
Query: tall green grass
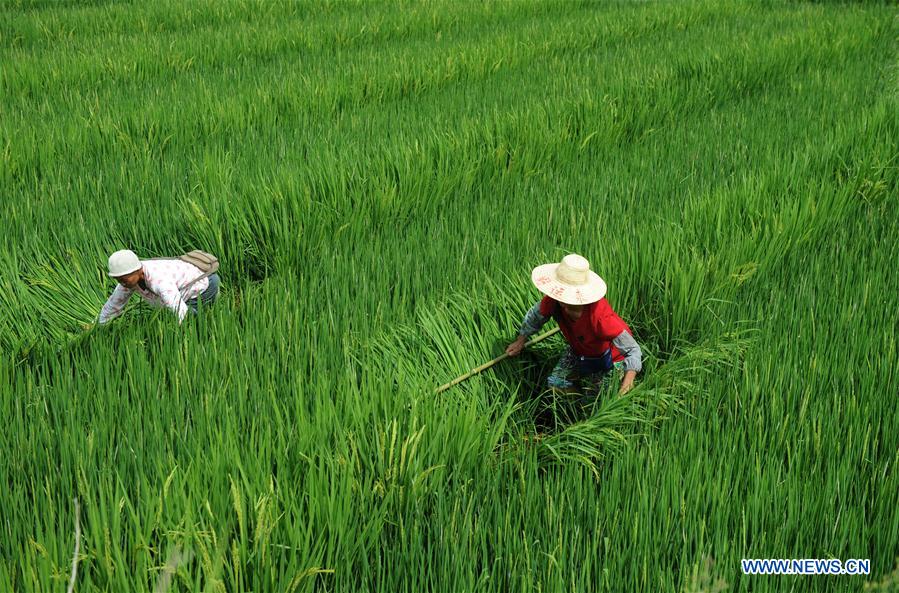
(378, 181)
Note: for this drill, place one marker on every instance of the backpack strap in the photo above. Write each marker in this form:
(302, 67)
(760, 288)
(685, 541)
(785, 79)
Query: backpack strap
(187, 286)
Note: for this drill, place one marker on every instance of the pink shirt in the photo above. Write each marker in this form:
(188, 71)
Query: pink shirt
(165, 280)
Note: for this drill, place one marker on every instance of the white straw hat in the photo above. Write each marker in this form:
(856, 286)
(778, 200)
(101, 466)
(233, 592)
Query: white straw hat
(570, 282)
(123, 262)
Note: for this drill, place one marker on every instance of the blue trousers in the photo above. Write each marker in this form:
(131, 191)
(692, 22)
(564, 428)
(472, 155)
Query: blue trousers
(565, 374)
(208, 296)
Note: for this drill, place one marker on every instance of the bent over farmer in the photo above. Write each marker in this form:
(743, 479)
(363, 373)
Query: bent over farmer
(172, 283)
(598, 339)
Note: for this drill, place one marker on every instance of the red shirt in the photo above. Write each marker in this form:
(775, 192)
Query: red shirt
(593, 332)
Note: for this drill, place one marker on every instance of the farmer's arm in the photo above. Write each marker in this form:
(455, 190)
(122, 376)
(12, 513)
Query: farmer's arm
(114, 305)
(171, 297)
(531, 324)
(533, 321)
(633, 359)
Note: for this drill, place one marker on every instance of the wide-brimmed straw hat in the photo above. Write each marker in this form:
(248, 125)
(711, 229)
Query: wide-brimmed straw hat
(571, 281)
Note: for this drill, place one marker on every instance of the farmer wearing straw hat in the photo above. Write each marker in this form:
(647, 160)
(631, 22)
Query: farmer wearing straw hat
(171, 282)
(598, 339)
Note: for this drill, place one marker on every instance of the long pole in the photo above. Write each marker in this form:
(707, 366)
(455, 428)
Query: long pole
(487, 365)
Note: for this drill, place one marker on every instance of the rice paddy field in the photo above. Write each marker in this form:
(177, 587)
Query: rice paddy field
(378, 180)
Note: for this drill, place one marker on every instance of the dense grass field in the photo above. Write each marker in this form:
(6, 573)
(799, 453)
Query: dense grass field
(378, 181)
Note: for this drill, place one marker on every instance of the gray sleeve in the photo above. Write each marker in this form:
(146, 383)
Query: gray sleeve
(533, 321)
(633, 356)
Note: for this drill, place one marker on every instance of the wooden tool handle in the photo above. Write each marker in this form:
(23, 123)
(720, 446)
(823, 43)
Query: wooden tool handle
(487, 365)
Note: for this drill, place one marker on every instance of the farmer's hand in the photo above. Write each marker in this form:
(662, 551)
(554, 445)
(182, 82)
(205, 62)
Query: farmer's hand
(627, 382)
(515, 348)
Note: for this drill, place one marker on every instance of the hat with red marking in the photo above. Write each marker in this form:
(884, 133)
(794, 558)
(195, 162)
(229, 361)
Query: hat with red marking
(570, 281)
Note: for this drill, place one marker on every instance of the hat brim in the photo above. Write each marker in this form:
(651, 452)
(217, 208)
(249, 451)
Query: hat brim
(545, 279)
(120, 274)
